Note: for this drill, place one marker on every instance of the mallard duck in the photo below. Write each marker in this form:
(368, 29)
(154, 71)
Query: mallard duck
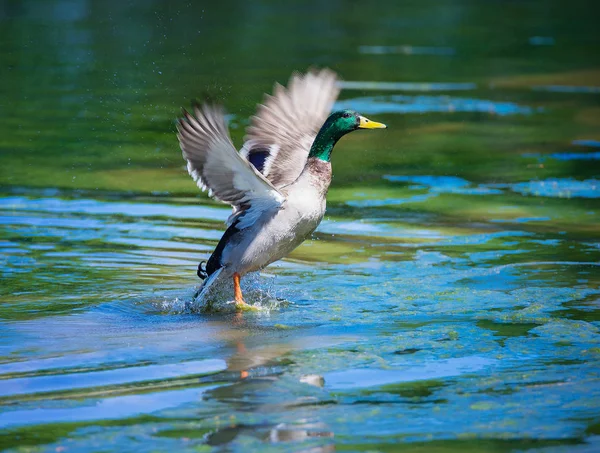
(277, 183)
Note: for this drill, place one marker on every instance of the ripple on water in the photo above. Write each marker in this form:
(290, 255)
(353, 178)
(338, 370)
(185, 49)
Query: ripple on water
(406, 86)
(443, 184)
(575, 156)
(97, 207)
(426, 323)
(432, 185)
(115, 408)
(375, 229)
(422, 104)
(558, 188)
(121, 376)
(84, 234)
(361, 378)
(570, 155)
(567, 89)
(435, 185)
(591, 143)
(406, 50)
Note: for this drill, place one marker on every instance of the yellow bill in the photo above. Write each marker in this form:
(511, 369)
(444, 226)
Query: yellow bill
(366, 123)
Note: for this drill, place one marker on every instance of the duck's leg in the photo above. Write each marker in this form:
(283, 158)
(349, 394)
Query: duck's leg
(240, 304)
(237, 289)
(239, 300)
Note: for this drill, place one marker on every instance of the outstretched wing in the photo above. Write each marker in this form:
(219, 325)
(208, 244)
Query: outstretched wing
(281, 133)
(214, 163)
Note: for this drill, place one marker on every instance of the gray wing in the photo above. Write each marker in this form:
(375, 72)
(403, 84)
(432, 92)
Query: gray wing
(281, 133)
(214, 163)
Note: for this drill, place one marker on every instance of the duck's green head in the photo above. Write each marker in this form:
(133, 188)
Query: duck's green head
(337, 125)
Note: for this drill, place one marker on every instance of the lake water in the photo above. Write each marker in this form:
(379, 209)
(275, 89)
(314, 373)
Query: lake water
(449, 301)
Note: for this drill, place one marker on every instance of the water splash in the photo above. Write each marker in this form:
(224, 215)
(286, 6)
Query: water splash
(259, 292)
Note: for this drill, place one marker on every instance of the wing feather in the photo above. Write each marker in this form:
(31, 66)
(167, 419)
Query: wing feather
(287, 123)
(216, 166)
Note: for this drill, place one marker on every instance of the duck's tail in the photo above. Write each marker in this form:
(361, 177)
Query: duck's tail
(202, 273)
(209, 280)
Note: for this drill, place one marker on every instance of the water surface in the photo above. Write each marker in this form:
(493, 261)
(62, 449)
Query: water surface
(447, 302)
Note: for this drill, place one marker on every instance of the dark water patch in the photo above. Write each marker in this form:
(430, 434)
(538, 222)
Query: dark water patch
(579, 314)
(407, 351)
(415, 391)
(26, 436)
(507, 330)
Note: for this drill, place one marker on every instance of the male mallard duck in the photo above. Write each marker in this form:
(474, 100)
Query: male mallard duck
(278, 182)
